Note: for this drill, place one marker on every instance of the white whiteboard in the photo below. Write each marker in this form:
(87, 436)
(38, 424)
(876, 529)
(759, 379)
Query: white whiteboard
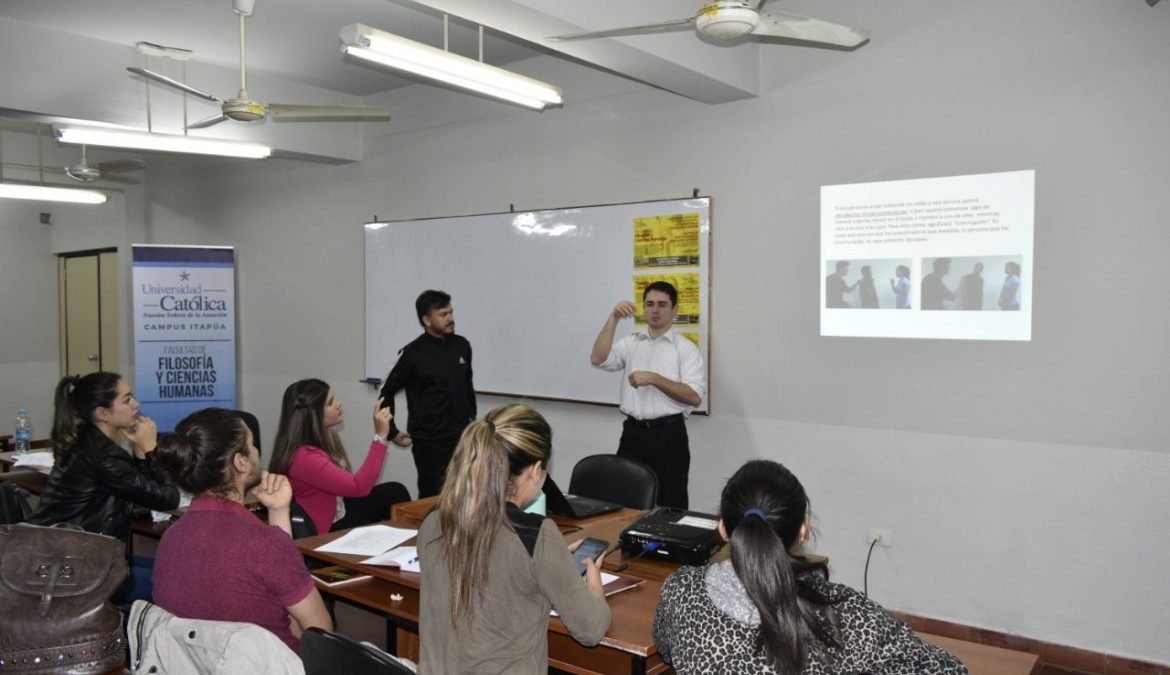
(530, 291)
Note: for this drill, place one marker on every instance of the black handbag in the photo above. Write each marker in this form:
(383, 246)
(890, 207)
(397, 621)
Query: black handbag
(55, 586)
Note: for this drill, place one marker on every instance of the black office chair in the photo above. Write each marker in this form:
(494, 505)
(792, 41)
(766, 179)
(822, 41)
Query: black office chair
(616, 479)
(253, 425)
(326, 653)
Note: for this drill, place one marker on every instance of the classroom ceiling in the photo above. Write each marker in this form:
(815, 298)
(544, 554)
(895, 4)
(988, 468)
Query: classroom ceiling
(293, 55)
(293, 39)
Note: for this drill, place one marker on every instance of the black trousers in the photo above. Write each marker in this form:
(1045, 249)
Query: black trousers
(431, 457)
(374, 507)
(664, 447)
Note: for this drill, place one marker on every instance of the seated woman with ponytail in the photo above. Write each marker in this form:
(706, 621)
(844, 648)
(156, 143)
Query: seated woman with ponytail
(219, 561)
(95, 482)
(309, 452)
(769, 611)
(490, 571)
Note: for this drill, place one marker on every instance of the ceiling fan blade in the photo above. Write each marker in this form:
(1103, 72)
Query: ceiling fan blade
(163, 79)
(124, 180)
(794, 27)
(291, 112)
(121, 166)
(673, 24)
(207, 122)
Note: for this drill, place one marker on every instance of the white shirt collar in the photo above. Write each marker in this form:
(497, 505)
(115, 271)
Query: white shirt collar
(670, 335)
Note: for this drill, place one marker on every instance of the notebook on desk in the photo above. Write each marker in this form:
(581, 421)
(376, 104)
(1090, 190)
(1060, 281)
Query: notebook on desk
(572, 506)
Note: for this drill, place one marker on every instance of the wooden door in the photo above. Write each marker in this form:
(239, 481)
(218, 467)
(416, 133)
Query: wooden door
(88, 301)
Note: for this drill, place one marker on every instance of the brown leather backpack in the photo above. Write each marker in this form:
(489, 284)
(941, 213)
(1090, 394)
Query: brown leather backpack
(55, 585)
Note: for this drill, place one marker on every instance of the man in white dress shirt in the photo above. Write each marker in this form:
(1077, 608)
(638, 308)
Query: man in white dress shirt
(663, 380)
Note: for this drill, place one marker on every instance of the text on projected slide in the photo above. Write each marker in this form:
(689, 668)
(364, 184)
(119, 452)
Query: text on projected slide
(954, 254)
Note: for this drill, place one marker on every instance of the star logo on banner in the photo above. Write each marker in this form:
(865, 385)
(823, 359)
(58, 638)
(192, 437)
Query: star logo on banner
(184, 275)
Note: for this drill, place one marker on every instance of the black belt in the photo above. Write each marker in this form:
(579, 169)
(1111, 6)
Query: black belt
(676, 418)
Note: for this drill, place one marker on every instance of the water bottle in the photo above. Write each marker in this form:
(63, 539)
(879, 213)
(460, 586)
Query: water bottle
(23, 430)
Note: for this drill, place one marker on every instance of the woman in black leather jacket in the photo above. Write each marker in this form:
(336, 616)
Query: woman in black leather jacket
(95, 482)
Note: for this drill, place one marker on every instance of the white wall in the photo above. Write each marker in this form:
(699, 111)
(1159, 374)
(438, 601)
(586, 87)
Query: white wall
(28, 314)
(1025, 484)
(29, 343)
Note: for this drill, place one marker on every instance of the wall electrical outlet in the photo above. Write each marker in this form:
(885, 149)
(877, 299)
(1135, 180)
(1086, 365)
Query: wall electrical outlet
(883, 538)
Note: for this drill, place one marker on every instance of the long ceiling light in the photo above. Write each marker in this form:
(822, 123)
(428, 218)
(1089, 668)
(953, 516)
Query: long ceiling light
(396, 52)
(145, 140)
(48, 193)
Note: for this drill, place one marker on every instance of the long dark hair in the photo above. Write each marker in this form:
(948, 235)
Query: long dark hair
(302, 422)
(794, 617)
(490, 454)
(74, 402)
(198, 455)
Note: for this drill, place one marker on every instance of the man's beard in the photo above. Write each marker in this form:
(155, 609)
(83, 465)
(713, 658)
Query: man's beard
(253, 478)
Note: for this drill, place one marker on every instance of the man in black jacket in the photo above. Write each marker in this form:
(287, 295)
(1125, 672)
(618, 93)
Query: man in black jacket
(435, 370)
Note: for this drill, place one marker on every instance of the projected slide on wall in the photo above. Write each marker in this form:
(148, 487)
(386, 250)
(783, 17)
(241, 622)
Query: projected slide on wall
(947, 258)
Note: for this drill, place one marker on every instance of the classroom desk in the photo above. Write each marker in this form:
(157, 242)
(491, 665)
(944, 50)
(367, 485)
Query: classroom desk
(628, 647)
(986, 659)
(31, 479)
(607, 526)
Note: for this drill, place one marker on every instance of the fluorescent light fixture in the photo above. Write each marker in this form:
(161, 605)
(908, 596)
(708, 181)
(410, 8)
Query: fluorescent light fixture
(145, 140)
(399, 53)
(48, 193)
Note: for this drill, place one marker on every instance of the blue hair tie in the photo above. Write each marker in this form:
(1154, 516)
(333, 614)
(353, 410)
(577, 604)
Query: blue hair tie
(759, 513)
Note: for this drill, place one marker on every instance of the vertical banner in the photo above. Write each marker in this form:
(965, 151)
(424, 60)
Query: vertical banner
(184, 330)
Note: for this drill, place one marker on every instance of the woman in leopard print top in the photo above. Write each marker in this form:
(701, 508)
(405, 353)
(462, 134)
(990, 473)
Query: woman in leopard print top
(765, 611)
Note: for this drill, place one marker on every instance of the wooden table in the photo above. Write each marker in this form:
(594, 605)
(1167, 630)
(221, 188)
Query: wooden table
(32, 479)
(985, 659)
(607, 526)
(628, 647)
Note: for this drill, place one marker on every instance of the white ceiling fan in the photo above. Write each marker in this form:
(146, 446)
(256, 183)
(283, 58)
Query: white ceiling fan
(727, 20)
(243, 108)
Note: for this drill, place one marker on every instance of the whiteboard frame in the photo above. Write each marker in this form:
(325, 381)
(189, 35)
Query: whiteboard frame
(701, 203)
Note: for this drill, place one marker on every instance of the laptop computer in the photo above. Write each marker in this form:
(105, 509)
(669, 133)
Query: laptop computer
(572, 506)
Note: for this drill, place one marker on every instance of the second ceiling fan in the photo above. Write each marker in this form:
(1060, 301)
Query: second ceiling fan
(243, 108)
(726, 20)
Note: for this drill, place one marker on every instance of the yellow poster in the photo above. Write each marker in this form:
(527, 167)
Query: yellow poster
(666, 241)
(687, 285)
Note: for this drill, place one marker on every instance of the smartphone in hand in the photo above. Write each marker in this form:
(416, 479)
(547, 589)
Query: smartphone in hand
(590, 548)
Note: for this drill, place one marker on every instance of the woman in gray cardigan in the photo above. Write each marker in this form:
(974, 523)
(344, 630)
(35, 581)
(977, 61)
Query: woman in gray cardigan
(490, 571)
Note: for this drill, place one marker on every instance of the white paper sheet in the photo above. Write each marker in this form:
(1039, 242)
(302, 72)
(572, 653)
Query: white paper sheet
(403, 557)
(370, 540)
(34, 459)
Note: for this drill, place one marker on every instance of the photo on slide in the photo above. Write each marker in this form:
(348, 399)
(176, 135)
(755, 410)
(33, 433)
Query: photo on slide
(971, 283)
(881, 283)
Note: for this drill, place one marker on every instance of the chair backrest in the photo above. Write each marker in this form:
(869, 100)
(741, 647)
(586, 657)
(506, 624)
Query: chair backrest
(253, 426)
(325, 653)
(40, 443)
(302, 524)
(14, 506)
(616, 479)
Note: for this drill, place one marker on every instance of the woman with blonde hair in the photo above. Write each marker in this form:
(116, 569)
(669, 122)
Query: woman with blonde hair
(308, 451)
(490, 571)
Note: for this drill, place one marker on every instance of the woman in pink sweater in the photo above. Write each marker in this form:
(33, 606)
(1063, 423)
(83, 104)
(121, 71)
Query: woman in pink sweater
(308, 451)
